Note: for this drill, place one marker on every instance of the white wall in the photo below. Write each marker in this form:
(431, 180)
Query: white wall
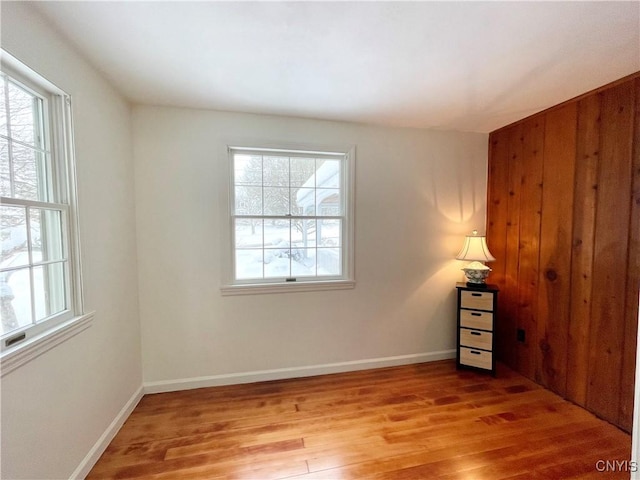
(56, 407)
(417, 193)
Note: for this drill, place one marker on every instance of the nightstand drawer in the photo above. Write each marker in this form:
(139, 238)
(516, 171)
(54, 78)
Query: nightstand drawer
(477, 300)
(479, 320)
(476, 339)
(476, 358)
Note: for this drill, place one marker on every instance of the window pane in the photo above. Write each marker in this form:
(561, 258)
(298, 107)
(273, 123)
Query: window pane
(277, 261)
(275, 171)
(329, 233)
(15, 296)
(3, 107)
(49, 289)
(329, 261)
(5, 169)
(277, 252)
(248, 264)
(247, 169)
(15, 251)
(276, 232)
(328, 202)
(302, 170)
(276, 201)
(24, 116)
(328, 175)
(46, 234)
(248, 200)
(303, 201)
(303, 262)
(29, 174)
(303, 233)
(249, 233)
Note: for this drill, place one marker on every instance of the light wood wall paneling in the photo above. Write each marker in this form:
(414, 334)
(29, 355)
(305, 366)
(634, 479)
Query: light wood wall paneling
(529, 241)
(555, 247)
(610, 252)
(584, 219)
(633, 281)
(573, 282)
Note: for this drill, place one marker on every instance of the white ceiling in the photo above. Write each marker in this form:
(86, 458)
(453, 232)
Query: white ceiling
(470, 66)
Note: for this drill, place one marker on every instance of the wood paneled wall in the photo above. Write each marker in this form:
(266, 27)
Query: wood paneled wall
(564, 226)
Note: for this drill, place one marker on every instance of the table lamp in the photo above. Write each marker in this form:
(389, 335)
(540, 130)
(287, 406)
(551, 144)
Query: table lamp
(476, 251)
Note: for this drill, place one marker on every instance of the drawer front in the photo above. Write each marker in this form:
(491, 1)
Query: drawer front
(476, 339)
(476, 358)
(479, 320)
(477, 300)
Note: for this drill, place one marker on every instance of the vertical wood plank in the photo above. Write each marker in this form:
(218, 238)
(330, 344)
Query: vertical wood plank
(555, 247)
(509, 296)
(610, 252)
(627, 379)
(529, 241)
(584, 218)
(496, 225)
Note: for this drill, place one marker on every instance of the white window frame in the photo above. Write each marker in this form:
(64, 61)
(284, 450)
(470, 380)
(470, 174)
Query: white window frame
(231, 286)
(22, 345)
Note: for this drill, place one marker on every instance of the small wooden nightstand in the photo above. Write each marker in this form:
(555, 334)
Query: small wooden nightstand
(476, 327)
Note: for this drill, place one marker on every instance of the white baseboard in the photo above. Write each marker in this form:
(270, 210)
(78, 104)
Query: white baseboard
(105, 439)
(293, 372)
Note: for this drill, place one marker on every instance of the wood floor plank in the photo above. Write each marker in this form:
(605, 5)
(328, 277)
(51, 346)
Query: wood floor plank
(410, 422)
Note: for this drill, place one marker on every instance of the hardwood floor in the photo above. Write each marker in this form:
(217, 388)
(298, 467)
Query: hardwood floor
(424, 421)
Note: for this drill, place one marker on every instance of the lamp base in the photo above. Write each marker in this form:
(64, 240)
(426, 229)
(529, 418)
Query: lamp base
(476, 274)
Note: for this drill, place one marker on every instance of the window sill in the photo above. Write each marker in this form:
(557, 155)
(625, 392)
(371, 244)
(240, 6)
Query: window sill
(23, 353)
(264, 288)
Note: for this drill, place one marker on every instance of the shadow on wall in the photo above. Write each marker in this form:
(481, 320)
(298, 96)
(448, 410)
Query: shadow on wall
(456, 195)
(456, 191)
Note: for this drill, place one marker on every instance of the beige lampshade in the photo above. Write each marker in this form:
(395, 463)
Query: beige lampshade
(475, 249)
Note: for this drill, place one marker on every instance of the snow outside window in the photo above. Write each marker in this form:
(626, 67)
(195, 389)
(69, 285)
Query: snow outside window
(290, 216)
(39, 284)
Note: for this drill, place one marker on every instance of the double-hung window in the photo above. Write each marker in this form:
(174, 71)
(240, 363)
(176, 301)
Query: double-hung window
(291, 218)
(39, 271)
